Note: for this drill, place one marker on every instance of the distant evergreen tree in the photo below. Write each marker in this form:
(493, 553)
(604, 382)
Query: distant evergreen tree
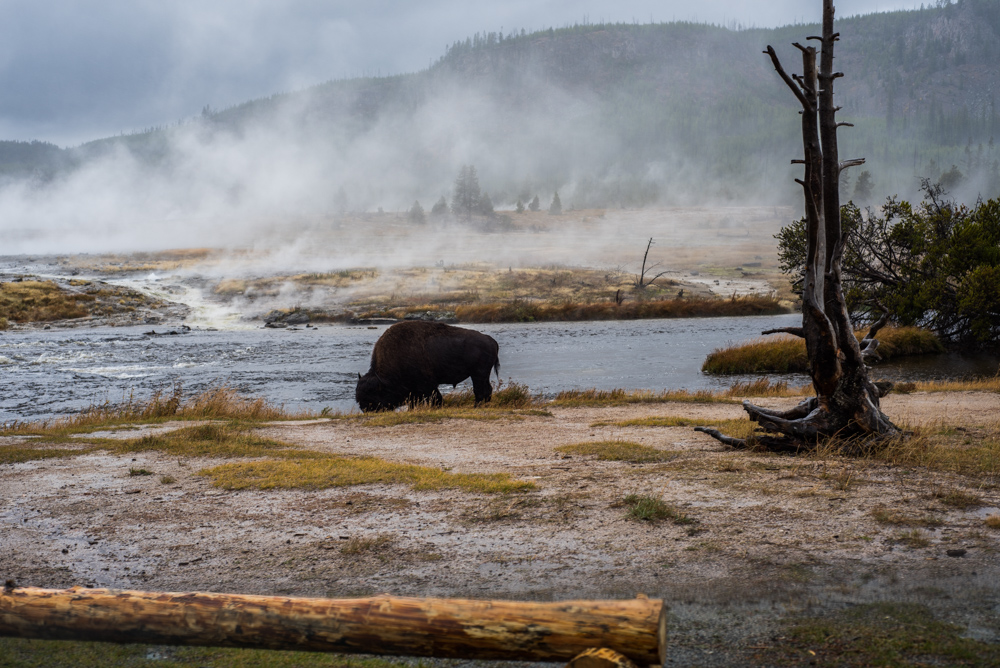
(519, 207)
(556, 207)
(466, 199)
(416, 214)
(534, 205)
(951, 179)
(440, 207)
(486, 205)
(863, 188)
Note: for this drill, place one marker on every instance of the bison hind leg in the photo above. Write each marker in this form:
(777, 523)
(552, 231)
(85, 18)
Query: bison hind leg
(436, 398)
(482, 389)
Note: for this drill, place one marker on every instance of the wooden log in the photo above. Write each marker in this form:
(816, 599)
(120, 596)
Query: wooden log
(444, 628)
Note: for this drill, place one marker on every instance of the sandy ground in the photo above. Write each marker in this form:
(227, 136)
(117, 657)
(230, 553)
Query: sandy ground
(773, 536)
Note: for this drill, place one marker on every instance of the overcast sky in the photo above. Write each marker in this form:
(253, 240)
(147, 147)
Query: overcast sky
(74, 70)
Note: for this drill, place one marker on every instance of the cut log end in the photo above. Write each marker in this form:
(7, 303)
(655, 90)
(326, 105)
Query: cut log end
(600, 658)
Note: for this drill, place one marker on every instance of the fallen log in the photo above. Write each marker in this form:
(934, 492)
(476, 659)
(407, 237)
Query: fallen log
(387, 625)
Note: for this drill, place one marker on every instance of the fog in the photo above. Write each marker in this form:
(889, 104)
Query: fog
(273, 182)
(322, 178)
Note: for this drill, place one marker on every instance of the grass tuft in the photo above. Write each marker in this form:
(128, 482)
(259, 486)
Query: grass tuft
(956, 498)
(618, 451)
(358, 546)
(647, 508)
(914, 538)
(993, 521)
(884, 515)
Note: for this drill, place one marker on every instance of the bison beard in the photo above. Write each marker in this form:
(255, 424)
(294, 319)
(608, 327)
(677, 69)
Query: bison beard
(411, 359)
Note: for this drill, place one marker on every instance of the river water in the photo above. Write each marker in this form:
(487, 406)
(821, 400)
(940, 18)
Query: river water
(55, 372)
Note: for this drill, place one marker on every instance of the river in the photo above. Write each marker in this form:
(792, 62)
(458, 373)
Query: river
(55, 372)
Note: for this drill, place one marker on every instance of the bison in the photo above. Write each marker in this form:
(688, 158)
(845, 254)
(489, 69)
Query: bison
(412, 358)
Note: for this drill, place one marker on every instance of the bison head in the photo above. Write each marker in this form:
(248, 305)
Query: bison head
(374, 395)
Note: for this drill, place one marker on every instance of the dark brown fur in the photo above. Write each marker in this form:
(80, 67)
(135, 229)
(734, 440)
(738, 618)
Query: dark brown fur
(412, 358)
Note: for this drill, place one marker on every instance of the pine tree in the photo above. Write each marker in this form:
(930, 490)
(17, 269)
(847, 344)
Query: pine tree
(466, 199)
(440, 207)
(416, 214)
(486, 205)
(863, 188)
(556, 207)
(534, 205)
(520, 206)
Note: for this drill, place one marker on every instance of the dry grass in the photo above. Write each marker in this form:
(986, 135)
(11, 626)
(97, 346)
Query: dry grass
(764, 387)
(428, 415)
(973, 452)
(359, 546)
(978, 385)
(739, 428)
(505, 395)
(16, 454)
(621, 397)
(228, 440)
(524, 310)
(891, 517)
(914, 538)
(39, 301)
(297, 468)
(957, 498)
(787, 354)
(219, 403)
(618, 451)
(322, 472)
(993, 521)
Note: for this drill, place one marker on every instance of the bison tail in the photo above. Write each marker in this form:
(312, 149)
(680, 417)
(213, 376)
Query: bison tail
(496, 368)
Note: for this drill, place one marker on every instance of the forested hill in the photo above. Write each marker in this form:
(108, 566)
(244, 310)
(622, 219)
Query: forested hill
(626, 114)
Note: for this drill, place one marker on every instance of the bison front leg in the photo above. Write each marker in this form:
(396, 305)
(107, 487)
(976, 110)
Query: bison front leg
(482, 389)
(436, 399)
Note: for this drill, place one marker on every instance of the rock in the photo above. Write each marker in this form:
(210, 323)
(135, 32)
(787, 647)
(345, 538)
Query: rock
(297, 318)
(275, 325)
(958, 552)
(274, 316)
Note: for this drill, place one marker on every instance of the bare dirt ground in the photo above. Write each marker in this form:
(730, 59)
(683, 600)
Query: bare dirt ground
(769, 537)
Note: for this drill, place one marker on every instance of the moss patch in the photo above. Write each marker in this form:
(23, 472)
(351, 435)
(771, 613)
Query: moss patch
(22, 653)
(887, 634)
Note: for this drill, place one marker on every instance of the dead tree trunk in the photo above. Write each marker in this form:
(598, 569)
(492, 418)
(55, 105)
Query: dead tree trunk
(846, 404)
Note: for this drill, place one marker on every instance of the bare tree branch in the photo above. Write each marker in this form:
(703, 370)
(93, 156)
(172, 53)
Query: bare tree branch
(795, 331)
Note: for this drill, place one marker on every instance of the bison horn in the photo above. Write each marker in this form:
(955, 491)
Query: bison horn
(359, 376)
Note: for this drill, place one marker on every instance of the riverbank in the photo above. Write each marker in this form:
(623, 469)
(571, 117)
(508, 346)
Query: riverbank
(479, 294)
(762, 559)
(30, 302)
